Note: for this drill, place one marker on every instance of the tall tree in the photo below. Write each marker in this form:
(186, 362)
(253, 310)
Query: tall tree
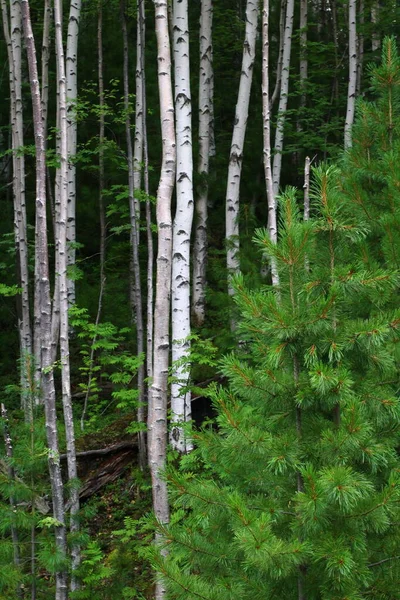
(13, 36)
(283, 97)
(205, 126)
(352, 85)
(180, 293)
(237, 144)
(134, 164)
(72, 94)
(42, 290)
(61, 254)
(157, 411)
(271, 199)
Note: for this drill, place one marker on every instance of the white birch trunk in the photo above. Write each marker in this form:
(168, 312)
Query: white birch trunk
(283, 99)
(61, 252)
(157, 415)
(181, 410)
(72, 93)
(205, 126)
(351, 90)
(272, 221)
(43, 292)
(236, 152)
(303, 53)
(132, 181)
(14, 46)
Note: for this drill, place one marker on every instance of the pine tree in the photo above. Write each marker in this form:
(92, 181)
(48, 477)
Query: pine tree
(296, 495)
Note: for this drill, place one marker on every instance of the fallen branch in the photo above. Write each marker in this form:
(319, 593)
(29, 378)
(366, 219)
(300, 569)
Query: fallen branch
(104, 451)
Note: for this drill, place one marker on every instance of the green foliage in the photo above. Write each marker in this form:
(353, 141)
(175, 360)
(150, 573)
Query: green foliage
(299, 488)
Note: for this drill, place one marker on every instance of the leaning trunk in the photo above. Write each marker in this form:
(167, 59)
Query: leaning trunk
(239, 131)
(283, 99)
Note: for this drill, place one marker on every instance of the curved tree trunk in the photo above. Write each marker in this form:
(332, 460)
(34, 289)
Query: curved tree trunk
(283, 99)
(239, 132)
(181, 410)
(205, 116)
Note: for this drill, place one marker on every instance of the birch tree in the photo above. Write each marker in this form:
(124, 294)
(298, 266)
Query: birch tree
(42, 290)
(12, 29)
(72, 93)
(239, 132)
(182, 226)
(272, 224)
(351, 89)
(157, 413)
(205, 126)
(278, 79)
(132, 182)
(376, 40)
(283, 98)
(61, 253)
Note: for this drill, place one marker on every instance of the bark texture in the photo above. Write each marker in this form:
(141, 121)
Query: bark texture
(283, 99)
(239, 132)
(157, 416)
(180, 299)
(42, 292)
(351, 90)
(205, 128)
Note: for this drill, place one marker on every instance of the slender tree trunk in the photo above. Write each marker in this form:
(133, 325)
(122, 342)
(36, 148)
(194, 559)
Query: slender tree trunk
(135, 163)
(278, 79)
(14, 47)
(157, 416)
(72, 93)
(181, 410)
(283, 99)
(43, 292)
(376, 40)
(272, 222)
(61, 252)
(101, 139)
(205, 103)
(239, 131)
(351, 90)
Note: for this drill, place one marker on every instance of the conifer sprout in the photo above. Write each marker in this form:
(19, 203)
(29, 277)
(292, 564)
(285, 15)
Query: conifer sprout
(270, 506)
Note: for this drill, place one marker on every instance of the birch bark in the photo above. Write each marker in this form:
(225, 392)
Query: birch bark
(205, 116)
(360, 46)
(14, 47)
(43, 292)
(72, 93)
(272, 222)
(239, 131)
(157, 416)
(283, 99)
(351, 90)
(61, 252)
(180, 299)
(132, 181)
